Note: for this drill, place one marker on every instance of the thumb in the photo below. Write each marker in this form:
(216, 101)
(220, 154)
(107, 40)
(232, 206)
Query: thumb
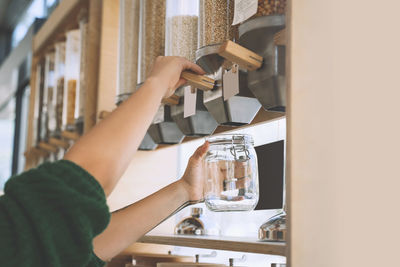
(201, 151)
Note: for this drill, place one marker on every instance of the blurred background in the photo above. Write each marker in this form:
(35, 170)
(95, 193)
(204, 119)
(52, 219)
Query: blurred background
(19, 20)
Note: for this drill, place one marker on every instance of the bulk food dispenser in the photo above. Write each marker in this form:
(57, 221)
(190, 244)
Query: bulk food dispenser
(215, 27)
(80, 97)
(128, 68)
(48, 110)
(71, 81)
(263, 34)
(58, 97)
(163, 130)
(189, 113)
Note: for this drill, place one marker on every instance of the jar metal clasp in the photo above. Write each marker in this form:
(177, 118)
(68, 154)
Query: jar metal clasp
(239, 152)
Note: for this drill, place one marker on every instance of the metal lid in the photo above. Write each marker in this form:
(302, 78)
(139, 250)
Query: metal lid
(235, 139)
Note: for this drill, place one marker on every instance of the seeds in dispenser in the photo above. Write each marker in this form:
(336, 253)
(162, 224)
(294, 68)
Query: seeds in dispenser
(216, 18)
(129, 36)
(154, 34)
(182, 36)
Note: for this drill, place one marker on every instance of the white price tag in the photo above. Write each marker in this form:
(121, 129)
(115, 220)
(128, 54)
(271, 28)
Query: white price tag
(230, 82)
(189, 103)
(244, 9)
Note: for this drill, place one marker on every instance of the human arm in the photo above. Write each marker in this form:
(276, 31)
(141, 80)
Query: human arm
(129, 224)
(106, 150)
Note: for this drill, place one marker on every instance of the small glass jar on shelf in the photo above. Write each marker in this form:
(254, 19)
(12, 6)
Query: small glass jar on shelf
(231, 182)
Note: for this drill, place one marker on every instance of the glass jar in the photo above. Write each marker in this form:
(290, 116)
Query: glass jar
(215, 22)
(231, 182)
(58, 97)
(270, 7)
(128, 46)
(152, 37)
(71, 85)
(181, 28)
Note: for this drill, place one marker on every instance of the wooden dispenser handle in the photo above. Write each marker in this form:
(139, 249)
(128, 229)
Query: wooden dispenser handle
(198, 81)
(280, 37)
(171, 101)
(244, 57)
(103, 114)
(70, 135)
(47, 147)
(58, 142)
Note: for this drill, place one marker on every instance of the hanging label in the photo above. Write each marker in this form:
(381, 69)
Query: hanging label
(244, 9)
(230, 81)
(189, 104)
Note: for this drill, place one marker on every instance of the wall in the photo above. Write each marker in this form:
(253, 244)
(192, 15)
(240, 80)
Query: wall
(343, 133)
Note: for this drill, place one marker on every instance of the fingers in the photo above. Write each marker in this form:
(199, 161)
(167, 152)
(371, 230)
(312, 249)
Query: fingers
(181, 82)
(187, 65)
(201, 151)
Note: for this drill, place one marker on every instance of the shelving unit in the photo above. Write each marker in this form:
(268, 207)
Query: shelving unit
(241, 244)
(101, 73)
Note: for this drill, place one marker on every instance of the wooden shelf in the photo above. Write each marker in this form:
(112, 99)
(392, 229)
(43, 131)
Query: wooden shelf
(241, 244)
(64, 17)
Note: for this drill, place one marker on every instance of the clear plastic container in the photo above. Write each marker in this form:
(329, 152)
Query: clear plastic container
(48, 109)
(152, 34)
(215, 22)
(71, 81)
(128, 46)
(181, 28)
(231, 174)
(271, 7)
(80, 98)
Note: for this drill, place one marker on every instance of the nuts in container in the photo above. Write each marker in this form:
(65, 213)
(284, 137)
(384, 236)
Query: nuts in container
(271, 7)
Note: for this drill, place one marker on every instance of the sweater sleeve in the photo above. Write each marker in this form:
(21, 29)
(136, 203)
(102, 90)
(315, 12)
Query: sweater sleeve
(50, 215)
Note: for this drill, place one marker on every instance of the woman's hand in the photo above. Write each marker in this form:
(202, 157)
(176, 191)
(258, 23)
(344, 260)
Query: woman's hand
(167, 71)
(193, 178)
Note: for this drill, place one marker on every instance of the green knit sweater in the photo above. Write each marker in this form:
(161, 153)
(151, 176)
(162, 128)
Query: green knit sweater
(49, 217)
